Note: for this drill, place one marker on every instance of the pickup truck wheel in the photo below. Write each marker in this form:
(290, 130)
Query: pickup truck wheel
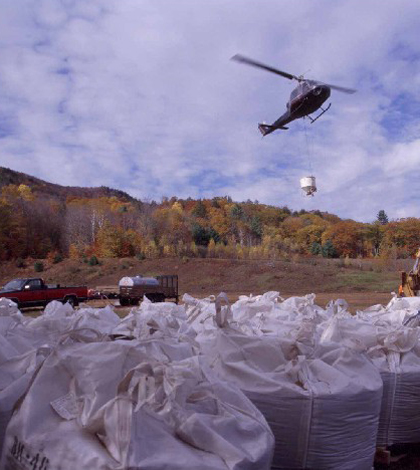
(124, 302)
(156, 298)
(151, 297)
(72, 301)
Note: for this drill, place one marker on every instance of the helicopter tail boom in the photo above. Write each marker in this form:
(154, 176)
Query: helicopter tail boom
(266, 129)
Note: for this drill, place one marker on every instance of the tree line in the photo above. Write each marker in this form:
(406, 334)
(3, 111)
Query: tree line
(36, 226)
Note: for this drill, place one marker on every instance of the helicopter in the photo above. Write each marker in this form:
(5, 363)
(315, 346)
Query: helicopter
(305, 99)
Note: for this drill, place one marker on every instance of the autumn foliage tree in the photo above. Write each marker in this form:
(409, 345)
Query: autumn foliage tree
(38, 226)
(404, 235)
(346, 238)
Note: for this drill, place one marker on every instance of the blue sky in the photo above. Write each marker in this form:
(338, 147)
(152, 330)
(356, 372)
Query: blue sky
(141, 95)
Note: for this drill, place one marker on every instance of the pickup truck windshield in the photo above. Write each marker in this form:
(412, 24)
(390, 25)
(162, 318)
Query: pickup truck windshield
(16, 284)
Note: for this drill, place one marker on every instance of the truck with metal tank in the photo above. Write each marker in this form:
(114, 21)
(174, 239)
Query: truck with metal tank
(157, 289)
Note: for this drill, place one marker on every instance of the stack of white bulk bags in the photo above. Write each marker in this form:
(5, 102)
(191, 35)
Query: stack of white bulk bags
(113, 405)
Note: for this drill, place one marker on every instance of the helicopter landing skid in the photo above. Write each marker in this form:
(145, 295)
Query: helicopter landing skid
(319, 115)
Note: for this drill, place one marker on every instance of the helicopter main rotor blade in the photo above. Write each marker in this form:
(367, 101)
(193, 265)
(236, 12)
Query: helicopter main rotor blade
(350, 91)
(254, 63)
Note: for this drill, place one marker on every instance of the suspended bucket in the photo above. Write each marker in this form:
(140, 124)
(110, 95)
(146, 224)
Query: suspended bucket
(308, 184)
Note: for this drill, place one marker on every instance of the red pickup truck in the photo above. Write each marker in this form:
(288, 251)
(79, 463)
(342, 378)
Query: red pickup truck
(33, 292)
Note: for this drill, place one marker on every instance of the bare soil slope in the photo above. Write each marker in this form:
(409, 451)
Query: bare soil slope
(201, 277)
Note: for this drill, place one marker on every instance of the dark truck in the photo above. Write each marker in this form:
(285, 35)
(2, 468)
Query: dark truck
(156, 289)
(33, 292)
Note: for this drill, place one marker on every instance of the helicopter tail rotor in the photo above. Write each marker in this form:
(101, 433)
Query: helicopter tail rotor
(266, 129)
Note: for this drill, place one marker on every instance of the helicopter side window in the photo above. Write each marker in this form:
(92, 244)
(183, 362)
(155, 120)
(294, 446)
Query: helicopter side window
(294, 93)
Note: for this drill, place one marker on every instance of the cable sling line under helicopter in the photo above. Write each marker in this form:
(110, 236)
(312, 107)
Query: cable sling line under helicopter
(308, 183)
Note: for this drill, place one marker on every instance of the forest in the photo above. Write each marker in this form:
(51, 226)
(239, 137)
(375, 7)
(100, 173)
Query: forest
(35, 225)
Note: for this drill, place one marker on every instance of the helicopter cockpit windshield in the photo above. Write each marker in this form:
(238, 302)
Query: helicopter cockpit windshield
(302, 88)
(307, 85)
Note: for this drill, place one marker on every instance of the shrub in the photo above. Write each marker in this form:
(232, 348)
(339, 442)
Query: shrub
(57, 258)
(140, 256)
(316, 248)
(20, 263)
(39, 266)
(93, 261)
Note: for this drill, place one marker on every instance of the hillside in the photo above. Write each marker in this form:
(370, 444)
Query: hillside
(55, 191)
(361, 286)
(41, 220)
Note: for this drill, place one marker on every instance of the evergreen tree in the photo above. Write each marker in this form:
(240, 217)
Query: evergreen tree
(213, 234)
(256, 226)
(236, 212)
(199, 210)
(316, 248)
(382, 218)
(328, 250)
(215, 203)
(201, 235)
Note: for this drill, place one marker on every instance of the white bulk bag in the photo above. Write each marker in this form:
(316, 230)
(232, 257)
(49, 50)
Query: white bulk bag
(400, 303)
(161, 319)
(323, 410)
(395, 351)
(112, 406)
(398, 361)
(199, 312)
(103, 320)
(270, 314)
(15, 376)
(9, 308)
(56, 320)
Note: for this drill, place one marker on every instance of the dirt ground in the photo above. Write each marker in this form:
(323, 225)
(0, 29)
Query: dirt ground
(328, 279)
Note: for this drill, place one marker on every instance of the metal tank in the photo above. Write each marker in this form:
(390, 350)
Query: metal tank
(138, 281)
